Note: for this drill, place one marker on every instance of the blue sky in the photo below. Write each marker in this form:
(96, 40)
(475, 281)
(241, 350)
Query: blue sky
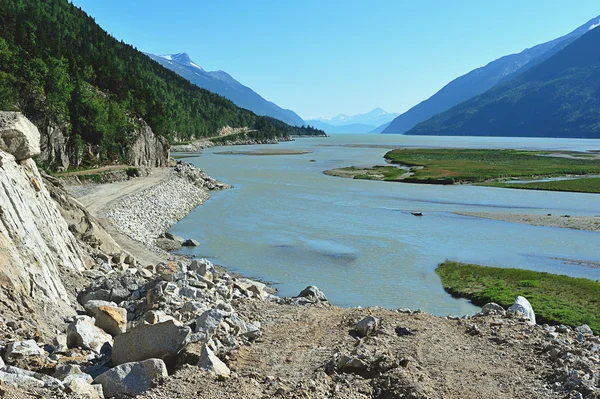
(326, 57)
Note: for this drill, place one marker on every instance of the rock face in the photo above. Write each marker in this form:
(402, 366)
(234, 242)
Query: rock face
(131, 379)
(146, 148)
(35, 242)
(18, 136)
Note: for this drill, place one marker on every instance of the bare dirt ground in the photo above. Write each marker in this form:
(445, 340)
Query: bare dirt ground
(99, 198)
(437, 358)
(591, 223)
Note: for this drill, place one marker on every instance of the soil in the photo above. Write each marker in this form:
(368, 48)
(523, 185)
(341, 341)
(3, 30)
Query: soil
(436, 359)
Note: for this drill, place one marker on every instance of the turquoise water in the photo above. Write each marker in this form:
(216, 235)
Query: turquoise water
(286, 222)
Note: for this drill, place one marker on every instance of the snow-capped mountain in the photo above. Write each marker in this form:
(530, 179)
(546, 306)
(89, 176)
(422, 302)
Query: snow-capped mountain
(222, 83)
(373, 118)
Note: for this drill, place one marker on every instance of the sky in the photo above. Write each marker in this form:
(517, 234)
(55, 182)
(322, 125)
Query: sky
(329, 57)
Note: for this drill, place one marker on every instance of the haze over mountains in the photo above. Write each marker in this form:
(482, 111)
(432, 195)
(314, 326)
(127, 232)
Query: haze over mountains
(222, 83)
(559, 97)
(482, 79)
(359, 123)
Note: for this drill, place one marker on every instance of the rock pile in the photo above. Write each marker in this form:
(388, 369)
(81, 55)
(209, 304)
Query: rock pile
(136, 324)
(146, 215)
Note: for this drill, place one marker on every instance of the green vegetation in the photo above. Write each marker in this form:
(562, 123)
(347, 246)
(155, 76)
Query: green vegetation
(556, 98)
(586, 185)
(60, 68)
(555, 299)
(474, 166)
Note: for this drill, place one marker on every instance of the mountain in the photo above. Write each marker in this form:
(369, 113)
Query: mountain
(373, 118)
(223, 84)
(92, 96)
(483, 79)
(380, 129)
(351, 128)
(556, 98)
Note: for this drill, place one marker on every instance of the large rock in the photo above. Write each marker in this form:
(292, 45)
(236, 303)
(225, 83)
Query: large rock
(146, 148)
(131, 379)
(313, 293)
(82, 333)
(146, 341)
(21, 349)
(18, 136)
(112, 319)
(91, 306)
(366, 326)
(523, 306)
(209, 321)
(210, 362)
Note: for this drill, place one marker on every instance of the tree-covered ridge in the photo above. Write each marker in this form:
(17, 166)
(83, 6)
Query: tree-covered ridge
(556, 98)
(57, 65)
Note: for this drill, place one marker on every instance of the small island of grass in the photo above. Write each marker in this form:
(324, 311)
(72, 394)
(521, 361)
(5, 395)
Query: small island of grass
(486, 167)
(556, 299)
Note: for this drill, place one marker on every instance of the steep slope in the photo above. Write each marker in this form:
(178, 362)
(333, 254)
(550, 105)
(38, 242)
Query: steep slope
(481, 80)
(351, 128)
(557, 98)
(376, 117)
(381, 128)
(86, 91)
(36, 246)
(223, 84)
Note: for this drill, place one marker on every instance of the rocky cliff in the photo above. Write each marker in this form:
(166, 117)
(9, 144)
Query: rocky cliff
(36, 246)
(146, 148)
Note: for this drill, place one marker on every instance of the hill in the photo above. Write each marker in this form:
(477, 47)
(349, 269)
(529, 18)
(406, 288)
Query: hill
(556, 98)
(222, 83)
(91, 95)
(482, 79)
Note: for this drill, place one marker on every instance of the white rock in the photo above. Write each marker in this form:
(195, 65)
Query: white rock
(23, 381)
(312, 292)
(91, 306)
(210, 362)
(209, 321)
(523, 306)
(132, 378)
(82, 333)
(18, 136)
(21, 349)
(493, 308)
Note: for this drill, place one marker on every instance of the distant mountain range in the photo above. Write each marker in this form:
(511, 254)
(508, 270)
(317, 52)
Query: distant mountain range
(482, 79)
(359, 123)
(559, 97)
(223, 84)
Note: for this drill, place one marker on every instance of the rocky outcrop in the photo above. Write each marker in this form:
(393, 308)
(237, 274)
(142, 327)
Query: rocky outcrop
(146, 148)
(36, 245)
(55, 148)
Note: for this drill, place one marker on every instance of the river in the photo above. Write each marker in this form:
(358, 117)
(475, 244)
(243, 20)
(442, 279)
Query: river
(286, 222)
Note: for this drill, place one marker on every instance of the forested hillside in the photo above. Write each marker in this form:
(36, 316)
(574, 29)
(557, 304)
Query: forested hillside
(63, 70)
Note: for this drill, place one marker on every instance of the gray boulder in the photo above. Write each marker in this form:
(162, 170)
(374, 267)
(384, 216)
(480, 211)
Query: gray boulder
(22, 381)
(174, 237)
(493, 308)
(190, 242)
(82, 333)
(209, 321)
(131, 379)
(523, 306)
(18, 136)
(366, 326)
(147, 341)
(21, 349)
(83, 389)
(584, 329)
(312, 292)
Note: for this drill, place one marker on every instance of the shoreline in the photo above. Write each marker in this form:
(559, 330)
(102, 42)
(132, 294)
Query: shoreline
(588, 223)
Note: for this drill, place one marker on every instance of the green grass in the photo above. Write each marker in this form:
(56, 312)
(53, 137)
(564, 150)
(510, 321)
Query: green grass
(555, 299)
(475, 166)
(585, 185)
